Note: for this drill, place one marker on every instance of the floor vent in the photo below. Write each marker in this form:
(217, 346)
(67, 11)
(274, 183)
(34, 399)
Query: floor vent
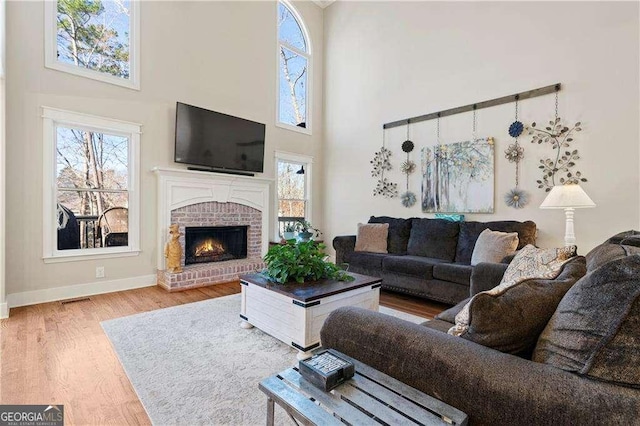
(82, 299)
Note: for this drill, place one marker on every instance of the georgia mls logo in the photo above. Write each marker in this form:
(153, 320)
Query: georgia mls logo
(31, 415)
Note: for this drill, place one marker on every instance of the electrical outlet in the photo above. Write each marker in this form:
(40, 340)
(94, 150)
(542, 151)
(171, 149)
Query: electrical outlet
(100, 272)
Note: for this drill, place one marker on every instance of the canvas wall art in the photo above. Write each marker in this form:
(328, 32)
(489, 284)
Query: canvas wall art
(458, 177)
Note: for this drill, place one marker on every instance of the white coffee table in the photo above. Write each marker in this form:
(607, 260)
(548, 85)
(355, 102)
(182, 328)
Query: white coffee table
(295, 313)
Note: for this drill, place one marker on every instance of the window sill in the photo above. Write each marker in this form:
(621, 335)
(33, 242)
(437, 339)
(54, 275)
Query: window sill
(75, 257)
(94, 75)
(304, 130)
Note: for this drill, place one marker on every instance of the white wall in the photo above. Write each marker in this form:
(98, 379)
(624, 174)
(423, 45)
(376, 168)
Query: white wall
(392, 60)
(218, 55)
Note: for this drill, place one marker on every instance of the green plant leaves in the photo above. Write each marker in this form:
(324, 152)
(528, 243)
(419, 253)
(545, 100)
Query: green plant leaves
(301, 262)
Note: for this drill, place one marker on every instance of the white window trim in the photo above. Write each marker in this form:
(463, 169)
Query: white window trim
(53, 117)
(51, 49)
(309, 86)
(301, 159)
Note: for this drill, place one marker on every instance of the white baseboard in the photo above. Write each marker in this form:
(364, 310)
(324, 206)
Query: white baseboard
(79, 290)
(4, 310)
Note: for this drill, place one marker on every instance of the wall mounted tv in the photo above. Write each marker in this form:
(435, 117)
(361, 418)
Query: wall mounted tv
(218, 142)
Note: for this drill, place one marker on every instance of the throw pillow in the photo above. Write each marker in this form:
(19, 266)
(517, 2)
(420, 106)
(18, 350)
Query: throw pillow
(434, 238)
(372, 237)
(399, 232)
(493, 246)
(510, 317)
(596, 329)
(451, 217)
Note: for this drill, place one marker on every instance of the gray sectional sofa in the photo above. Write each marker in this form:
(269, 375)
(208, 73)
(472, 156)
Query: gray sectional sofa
(585, 368)
(429, 258)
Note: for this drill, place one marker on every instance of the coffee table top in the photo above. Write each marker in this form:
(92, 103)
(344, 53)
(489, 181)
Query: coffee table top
(369, 394)
(314, 290)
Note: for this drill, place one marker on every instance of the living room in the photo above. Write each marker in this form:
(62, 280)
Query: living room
(367, 64)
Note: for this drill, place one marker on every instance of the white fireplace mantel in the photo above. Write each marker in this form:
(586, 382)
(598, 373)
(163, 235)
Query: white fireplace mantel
(178, 188)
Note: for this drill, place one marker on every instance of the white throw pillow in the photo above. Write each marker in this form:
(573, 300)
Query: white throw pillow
(493, 246)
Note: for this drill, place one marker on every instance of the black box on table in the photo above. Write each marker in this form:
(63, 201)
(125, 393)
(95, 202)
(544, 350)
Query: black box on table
(326, 370)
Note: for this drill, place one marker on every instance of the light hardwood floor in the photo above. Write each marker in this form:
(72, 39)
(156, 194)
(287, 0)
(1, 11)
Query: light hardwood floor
(57, 353)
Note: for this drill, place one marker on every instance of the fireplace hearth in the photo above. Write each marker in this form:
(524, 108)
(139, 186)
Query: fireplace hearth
(215, 243)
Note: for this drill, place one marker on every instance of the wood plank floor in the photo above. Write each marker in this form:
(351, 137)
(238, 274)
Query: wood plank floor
(57, 353)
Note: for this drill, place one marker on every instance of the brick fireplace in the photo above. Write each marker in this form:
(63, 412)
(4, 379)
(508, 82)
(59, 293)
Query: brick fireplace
(221, 213)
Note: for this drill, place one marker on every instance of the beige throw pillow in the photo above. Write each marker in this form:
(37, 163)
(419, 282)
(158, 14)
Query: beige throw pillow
(493, 246)
(529, 263)
(372, 237)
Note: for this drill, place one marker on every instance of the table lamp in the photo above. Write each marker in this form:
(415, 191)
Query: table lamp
(569, 198)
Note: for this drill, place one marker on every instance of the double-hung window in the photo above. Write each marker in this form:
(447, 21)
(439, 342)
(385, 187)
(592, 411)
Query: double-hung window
(294, 65)
(293, 181)
(97, 39)
(91, 196)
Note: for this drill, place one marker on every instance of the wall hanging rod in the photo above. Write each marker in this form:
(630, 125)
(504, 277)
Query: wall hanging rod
(478, 105)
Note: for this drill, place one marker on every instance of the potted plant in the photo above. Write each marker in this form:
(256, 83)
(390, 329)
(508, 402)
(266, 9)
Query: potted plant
(300, 262)
(306, 231)
(289, 231)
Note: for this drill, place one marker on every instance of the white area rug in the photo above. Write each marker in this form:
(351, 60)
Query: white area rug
(193, 364)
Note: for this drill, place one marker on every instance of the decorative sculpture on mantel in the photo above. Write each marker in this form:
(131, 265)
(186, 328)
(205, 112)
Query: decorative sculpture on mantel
(173, 250)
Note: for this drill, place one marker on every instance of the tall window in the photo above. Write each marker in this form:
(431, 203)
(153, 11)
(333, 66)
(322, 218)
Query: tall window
(91, 167)
(294, 56)
(294, 189)
(93, 38)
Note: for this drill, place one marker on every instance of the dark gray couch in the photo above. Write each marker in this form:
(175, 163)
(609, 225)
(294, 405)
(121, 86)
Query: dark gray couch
(429, 258)
(495, 387)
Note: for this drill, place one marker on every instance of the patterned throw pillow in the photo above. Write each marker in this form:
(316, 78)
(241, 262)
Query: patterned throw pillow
(372, 237)
(493, 246)
(529, 263)
(450, 217)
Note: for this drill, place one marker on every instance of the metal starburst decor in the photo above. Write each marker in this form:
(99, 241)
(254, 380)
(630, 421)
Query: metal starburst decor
(516, 198)
(408, 167)
(408, 199)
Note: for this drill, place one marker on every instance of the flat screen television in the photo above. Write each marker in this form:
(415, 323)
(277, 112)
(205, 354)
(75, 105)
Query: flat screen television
(216, 141)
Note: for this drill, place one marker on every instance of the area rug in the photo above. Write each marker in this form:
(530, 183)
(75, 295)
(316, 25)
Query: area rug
(193, 364)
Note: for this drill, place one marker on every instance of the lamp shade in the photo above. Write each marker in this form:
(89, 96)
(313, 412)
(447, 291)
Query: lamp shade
(567, 196)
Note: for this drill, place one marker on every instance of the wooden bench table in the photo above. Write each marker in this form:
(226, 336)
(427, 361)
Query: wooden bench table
(370, 397)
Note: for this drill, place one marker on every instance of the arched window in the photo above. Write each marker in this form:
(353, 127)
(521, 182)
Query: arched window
(294, 59)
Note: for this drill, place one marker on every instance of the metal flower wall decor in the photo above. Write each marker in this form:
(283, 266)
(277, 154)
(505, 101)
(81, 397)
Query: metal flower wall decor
(558, 169)
(380, 163)
(407, 167)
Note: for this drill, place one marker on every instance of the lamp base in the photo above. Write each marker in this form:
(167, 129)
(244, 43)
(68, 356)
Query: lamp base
(569, 233)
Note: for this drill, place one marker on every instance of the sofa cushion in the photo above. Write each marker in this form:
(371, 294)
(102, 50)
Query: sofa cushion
(416, 266)
(595, 331)
(493, 246)
(399, 232)
(454, 272)
(435, 238)
(365, 260)
(449, 315)
(605, 253)
(510, 317)
(629, 238)
(372, 237)
(470, 231)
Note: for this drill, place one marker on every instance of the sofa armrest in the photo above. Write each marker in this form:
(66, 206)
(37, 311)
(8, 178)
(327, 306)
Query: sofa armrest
(486, 276)
(343, 245)
(490, 386)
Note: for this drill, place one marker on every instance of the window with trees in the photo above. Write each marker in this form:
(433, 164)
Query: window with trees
(94, 38)
(294, 189)
(91, 166)
(294, 59)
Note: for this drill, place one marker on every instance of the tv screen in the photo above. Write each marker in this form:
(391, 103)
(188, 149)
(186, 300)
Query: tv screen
(218, 141)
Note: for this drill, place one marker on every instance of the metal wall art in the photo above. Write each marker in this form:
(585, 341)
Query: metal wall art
(558, 169)
(381, 163)
(516, 197)
(408, 198)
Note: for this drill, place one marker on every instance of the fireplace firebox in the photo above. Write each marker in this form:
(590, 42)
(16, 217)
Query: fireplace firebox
(214, 243)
